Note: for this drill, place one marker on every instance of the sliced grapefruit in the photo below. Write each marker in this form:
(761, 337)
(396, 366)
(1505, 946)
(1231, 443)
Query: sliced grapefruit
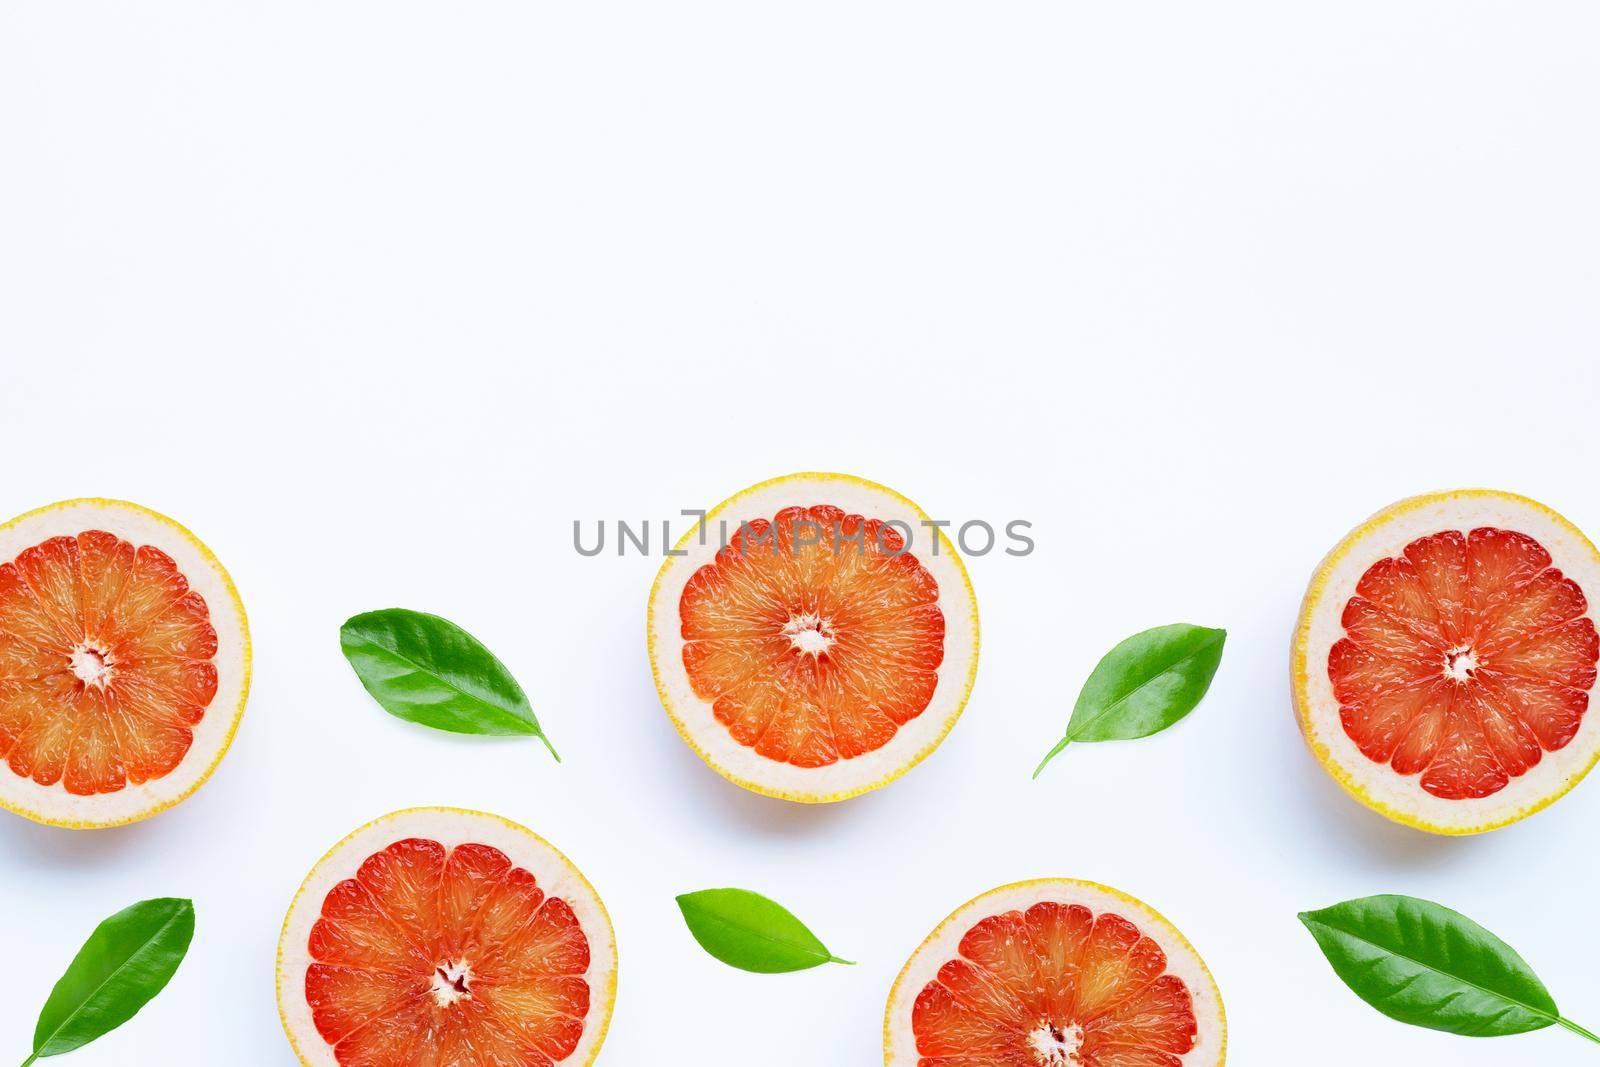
(1445, 658)
(124, 663)
(814, 638)
(1055, 973)
(446, 938)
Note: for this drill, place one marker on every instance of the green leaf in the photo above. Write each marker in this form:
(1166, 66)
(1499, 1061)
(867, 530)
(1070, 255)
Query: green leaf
(127, 960)
(1144, 685)
(428, 670)
(750, 932)
(1426, 965)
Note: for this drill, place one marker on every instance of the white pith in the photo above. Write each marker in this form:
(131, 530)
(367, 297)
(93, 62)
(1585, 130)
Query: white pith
(810, 633)
(212, 734)
(900, 1044)
(1460, 663)
(451, 981)
(1382, 785)
(91, 664)
(912, 741)
(450, 827)
(1054, 1045)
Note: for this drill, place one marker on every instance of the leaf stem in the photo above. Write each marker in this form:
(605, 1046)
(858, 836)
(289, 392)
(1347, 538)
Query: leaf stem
(551, 747)
(30, 1059)
(1052, 754)
(1575, 1028)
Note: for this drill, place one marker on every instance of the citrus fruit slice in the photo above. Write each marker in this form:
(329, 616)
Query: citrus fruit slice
(447, 938)
(1445, 657)
(124, 663)
(814, 637)
(1054, 973)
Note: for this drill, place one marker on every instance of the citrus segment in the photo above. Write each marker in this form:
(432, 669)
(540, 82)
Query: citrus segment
(121, 678)
(448, 937)
(1051, 974)
(1457, 658)
(814, 638)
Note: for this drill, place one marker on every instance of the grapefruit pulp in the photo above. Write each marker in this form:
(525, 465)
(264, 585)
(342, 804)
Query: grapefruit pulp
(1445, 659)
(436, 937)
(124, 663)
(1055, 973)
(814, 638)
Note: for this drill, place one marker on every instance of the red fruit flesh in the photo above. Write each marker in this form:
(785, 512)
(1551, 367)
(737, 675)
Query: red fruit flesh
(815, 635)
(105, 663)
(1464, 660)
(438, 957)
(1055, 986)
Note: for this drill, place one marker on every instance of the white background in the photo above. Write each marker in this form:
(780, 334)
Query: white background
(379, 297)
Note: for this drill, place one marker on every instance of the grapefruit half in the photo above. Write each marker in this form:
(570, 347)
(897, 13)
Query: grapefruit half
(814, 637)
(124, 663)
(443, 937)
(1445, 657)
(1055, 973)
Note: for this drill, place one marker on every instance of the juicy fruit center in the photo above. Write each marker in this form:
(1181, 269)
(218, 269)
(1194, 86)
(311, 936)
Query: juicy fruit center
(446, 955)
(1054, 1046)
(1055, 986)
(1464, 660)
(106, 663)
(814, 634)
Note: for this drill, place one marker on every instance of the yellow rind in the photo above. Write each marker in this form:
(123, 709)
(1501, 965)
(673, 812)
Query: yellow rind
(611, 933)
(1299, 676)
(784, 794)
(1144, 909)
(244, 693)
